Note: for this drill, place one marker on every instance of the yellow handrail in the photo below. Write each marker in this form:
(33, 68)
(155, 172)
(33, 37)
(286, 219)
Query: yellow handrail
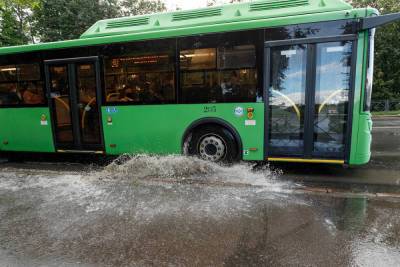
(290, 101)
(328, 99)
(111, 95)
(85, 111)
(58, 98)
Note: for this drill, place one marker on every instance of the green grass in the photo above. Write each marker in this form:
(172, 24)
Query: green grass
(383, 113)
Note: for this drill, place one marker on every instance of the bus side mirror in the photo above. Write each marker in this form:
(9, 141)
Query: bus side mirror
(373, 22)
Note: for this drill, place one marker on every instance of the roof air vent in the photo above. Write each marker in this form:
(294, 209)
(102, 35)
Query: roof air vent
(268, 5)
(197, 14)
(131, 22)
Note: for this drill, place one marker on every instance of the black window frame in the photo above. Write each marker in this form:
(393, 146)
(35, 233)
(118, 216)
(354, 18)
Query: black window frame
(26, 59)
(109, 51)
(311, 72)
(214, 40)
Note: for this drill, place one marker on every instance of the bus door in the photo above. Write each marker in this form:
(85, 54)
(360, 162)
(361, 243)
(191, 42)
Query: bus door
(309, 95)
(74, 92)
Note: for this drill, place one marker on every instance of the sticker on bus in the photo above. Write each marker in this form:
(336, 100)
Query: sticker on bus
(288, 53)
(239, 111)
(250, 123)
(335, 49)
(111, 110)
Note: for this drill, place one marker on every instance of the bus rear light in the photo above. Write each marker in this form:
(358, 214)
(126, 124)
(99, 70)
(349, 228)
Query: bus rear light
(250, 110)
(5, 142)
(109, 119)
(113, 145)
(43, 118)
(253, 149)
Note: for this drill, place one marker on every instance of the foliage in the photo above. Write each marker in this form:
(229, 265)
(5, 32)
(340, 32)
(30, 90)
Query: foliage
(140, 7)
(387, 51)
(68, 19)
(15, 21)
(215, 2)
(24, 21)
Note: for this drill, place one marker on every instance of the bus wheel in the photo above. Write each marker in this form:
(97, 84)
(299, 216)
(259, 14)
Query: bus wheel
(212, 143)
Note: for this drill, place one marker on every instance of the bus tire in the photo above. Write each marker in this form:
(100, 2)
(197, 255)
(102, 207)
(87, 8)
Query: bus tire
(212, 143)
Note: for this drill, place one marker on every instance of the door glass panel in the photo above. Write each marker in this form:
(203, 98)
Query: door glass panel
(60, 94)
(333, 79)
(287, 99)
(87, 103)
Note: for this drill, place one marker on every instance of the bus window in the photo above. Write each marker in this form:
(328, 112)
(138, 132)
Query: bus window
(311, 30)
(287, 99)
(222, 71)
(9, 94)
(21, 85)
(333, 80)
(370, 71)
(141, 77)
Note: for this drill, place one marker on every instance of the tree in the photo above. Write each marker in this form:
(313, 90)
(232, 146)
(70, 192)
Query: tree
(16, 22)
(387, 51)
(215, 2)
(140, 7)
(68, 19)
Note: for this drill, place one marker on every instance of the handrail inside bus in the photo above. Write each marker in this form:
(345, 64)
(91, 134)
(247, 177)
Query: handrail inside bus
(326, 101)
(111, 95)
(85, 111)
(58, 98)
(290, 101)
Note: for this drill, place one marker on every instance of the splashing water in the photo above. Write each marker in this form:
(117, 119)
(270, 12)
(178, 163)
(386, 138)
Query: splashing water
(181, 168)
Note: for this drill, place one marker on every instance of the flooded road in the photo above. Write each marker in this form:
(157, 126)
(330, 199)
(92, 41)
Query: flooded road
(177, 211)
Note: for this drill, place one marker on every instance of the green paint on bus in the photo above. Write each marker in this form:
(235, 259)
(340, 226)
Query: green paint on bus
(160, 128)
(26, 130)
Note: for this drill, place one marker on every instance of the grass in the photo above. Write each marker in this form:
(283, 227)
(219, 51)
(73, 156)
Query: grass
(383, 113)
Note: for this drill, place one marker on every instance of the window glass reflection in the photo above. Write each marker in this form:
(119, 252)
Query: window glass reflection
(141, 77)
(21, 85)
(221, 74)
(287, 99)
(59, 88)
(370, 71)
(87, 103)
(332, 96)
(310, 30)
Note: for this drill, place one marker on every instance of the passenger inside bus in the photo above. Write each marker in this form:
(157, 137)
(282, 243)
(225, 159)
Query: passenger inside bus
(31, 95)
(230, 88)
(12, 97)
(123, 96)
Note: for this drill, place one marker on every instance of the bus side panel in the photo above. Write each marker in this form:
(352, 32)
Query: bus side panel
(26, 130)
(160, 129)
(362, 123)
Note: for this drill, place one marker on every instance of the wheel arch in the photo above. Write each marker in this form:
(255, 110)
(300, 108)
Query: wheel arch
(214, 121)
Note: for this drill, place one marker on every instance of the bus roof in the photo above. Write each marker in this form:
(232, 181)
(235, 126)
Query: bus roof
(242, 16)
(212, 15)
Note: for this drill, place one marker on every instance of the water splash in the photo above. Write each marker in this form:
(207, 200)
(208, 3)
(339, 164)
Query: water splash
(181, 168)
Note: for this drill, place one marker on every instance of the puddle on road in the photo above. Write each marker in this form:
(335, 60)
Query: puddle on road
(147, 210)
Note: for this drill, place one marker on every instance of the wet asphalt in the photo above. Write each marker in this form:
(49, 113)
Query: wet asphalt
(174, 211)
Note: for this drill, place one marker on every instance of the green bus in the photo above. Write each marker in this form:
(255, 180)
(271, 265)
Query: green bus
(282, 80)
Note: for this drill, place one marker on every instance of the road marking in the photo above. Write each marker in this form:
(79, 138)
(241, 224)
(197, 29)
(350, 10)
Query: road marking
(387, 127)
